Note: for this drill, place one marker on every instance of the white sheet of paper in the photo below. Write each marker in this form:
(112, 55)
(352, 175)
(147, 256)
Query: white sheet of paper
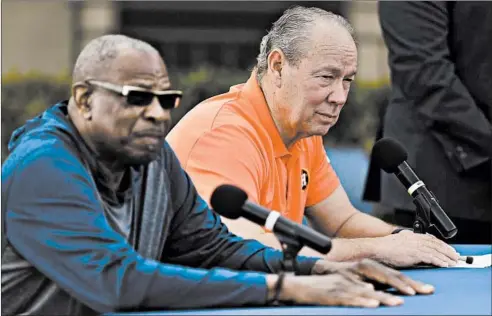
(484, 261)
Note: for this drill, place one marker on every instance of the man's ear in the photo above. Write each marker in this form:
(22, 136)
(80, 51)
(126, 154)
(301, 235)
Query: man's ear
(81, 93)
(276, 60)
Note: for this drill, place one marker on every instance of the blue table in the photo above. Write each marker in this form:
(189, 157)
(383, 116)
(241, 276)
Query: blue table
(458, 292)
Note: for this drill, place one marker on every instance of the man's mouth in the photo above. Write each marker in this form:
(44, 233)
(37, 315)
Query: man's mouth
(152, 134)
(149, 139)
(327, 117)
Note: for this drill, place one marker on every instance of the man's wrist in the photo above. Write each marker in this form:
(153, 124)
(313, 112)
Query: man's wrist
(305, 265)
(271, 280)
(315, 269)
(278, 291)
(352, 249)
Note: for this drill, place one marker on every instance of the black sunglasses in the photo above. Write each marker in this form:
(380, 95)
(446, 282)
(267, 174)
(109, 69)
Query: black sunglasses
(168, 99)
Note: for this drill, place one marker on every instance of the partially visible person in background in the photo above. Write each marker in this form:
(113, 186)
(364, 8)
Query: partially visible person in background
(265, 136)
(440, 55)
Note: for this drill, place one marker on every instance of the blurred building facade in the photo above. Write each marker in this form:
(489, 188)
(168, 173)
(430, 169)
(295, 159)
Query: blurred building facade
(214, 32)
(45, 36)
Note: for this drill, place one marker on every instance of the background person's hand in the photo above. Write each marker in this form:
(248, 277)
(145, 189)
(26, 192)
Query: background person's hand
(341, 288)
(407, 249)
(374, 272)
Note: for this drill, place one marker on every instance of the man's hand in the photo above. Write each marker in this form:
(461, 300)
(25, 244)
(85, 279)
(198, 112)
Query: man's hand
(407, 249)
(343, 283)
(374, 272)
(339, 288)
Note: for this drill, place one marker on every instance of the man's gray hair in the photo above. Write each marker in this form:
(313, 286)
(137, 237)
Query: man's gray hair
(291, 34)
(97, 55)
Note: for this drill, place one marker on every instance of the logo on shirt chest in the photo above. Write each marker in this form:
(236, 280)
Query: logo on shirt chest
(304, 179)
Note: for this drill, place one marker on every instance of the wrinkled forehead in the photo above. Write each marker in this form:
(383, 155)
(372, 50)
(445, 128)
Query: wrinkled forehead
(333, 44)
(140, 68)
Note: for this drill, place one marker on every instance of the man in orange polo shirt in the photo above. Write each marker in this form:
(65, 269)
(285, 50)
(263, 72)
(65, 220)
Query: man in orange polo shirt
(264, 136)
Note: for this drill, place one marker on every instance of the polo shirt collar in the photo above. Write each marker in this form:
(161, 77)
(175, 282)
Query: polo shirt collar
(252, 91)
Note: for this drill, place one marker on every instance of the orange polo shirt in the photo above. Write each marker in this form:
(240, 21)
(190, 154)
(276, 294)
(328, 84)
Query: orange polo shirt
(232, 139)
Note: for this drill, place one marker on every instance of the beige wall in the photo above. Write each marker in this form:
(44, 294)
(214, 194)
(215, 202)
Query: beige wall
(36, 36)
(98, 17)
(373, 67)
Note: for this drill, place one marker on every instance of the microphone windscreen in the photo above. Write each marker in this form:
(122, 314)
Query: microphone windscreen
(388, 154)
(228, 201)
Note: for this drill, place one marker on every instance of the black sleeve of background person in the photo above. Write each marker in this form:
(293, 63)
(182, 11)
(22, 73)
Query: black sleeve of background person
(372, 187)
(416, 34)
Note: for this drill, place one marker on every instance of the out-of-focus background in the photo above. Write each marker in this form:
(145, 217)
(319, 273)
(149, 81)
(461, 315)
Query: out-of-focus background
(208, 47)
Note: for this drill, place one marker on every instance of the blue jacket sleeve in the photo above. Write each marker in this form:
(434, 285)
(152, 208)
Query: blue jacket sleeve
(198, 237)
(54, 220)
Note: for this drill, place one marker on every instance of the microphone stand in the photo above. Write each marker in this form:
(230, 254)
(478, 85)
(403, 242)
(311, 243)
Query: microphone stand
(290, 248)
(422, 221)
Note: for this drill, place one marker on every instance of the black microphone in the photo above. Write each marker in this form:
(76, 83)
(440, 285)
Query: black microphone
(232, 202)
(391, 156)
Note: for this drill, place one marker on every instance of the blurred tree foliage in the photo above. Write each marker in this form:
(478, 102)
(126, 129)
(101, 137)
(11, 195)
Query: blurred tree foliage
(361, 116)
(25, 96)
(202, 83)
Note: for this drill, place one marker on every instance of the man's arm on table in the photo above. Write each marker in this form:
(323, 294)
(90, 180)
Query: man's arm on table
(422, 70)
(198, 238)
(364, 236)
(228, 154)
(330, 211)
(55, 221)
(359, 235)
(209, 243)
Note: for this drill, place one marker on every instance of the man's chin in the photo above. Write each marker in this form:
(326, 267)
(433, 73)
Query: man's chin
(142, 157)
(321, 130)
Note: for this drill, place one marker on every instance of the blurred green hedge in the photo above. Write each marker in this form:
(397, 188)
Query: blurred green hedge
(24, 96)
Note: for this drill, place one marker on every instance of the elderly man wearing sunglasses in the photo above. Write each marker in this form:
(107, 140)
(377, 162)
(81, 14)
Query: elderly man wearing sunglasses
(99, 216)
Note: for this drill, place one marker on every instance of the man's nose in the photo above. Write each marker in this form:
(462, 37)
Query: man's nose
(339, 93)
(156, 113)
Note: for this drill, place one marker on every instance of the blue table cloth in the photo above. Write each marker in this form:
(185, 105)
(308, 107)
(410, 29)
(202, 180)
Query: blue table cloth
(458, 292)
